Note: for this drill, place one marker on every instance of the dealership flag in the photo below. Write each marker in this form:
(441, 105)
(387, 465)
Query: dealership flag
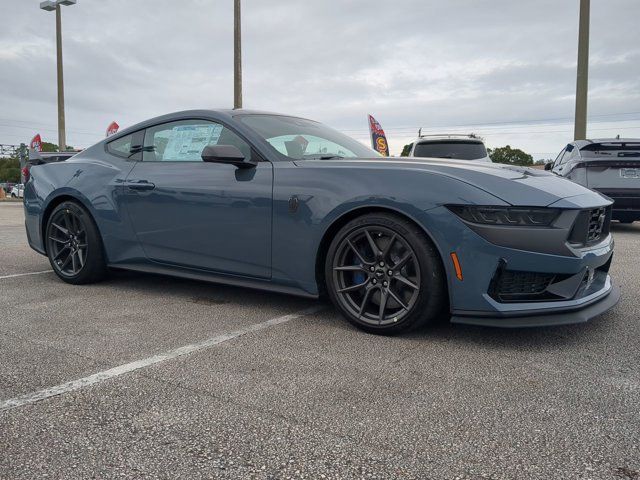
(112, 128)
(378, 138)
(36, 143)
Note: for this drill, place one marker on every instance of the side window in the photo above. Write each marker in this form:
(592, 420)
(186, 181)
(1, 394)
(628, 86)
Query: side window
(406, 150)
(184, 140)
(121, 147)
(567, 154)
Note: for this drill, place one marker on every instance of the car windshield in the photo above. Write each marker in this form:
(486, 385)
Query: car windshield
(458, 150)
(301, 139)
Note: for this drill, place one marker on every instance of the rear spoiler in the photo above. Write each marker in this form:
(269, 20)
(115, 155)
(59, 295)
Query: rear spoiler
(612, 146)
(36, 157)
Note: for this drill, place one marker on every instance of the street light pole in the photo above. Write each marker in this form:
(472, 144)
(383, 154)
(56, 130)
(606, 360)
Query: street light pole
(49, 6)
(237, 56)
(62, 141)
(582, 81)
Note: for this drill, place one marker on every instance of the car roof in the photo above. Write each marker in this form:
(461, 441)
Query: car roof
(468, 138)
(185, 114)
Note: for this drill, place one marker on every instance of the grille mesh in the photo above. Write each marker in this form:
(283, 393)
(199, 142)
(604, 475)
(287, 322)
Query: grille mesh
(509, 285)
(597, 221)
(591, 226)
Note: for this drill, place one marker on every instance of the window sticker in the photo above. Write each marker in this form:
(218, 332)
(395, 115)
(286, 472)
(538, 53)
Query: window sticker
(186, 142)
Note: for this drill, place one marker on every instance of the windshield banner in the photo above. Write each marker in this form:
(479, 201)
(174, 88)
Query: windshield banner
(378, 138)
(36, 143)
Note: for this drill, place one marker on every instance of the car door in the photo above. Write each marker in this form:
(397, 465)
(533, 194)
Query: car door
(196, 214)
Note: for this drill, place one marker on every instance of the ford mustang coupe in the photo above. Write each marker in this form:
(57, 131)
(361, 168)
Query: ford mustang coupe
(287, 204)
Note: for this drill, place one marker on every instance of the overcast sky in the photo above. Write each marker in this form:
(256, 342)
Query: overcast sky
(501, 68)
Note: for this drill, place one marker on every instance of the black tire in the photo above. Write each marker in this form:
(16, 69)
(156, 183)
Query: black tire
(376, 285)
(81, 245)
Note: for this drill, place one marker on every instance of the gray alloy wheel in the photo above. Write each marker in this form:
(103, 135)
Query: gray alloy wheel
(74, 246)
(384, 275)
(377, 275)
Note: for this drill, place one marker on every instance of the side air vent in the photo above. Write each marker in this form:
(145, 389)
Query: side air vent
(591, 226)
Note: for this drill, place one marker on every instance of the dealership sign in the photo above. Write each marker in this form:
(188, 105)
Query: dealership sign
(112, 129)
(378, 138)
(36, 143)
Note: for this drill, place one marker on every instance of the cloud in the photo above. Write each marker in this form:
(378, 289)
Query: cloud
(460, 64)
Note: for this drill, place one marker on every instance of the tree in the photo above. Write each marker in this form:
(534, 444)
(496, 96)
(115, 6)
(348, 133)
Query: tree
(10, 169)
(49, 147)
(510, 156)
(52, 147)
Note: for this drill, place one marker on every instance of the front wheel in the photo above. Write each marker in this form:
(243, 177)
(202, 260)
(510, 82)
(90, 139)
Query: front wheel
(384, 275)
(74, 246)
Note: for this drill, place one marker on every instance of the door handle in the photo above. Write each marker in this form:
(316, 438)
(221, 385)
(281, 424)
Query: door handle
(140, 185)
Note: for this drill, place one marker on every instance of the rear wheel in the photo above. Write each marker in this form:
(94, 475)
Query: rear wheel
(74, 246)
(384, 275)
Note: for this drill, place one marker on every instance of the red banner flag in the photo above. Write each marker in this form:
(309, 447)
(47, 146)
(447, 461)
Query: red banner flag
(378, 138)
(112, 128)
(36, 143)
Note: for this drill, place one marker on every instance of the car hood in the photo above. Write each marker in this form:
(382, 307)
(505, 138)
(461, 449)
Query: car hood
(512, 184)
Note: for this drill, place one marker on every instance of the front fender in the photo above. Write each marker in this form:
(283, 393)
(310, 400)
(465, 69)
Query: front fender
(325, 196)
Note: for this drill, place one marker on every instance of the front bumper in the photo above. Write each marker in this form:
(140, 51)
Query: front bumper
(560, 316)
(568, 283)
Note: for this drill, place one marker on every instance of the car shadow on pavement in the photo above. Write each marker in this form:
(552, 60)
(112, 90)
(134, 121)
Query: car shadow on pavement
(625, 227)
(195, 291)
(534, 338)
(204, 293)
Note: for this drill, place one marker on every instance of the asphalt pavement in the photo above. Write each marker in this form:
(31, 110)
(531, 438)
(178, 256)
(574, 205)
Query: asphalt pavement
(144, 376)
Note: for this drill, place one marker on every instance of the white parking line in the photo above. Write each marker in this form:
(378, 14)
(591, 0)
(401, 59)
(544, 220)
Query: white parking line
(25, 274)
(146, 362)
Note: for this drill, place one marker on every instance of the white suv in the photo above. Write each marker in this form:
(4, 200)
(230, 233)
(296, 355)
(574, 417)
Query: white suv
(455, 147)
(17, 191)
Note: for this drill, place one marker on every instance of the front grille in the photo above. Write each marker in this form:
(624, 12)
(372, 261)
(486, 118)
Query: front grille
(596, 224)
(518, 286)
(591, 226)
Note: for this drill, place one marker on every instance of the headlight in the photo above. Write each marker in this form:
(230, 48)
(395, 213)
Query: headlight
(509, 216)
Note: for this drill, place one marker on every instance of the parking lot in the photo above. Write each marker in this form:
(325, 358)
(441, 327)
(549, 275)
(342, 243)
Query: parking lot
(205, 381)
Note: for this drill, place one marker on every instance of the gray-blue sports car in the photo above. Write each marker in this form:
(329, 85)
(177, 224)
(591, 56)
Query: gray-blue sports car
(287, 204)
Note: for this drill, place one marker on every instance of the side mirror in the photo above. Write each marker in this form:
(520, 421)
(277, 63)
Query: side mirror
(229, 154)
(548, 166)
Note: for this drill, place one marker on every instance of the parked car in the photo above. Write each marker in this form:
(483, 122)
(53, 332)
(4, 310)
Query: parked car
(610, 166)
(453, 146)
(287, 204)
(17, 191)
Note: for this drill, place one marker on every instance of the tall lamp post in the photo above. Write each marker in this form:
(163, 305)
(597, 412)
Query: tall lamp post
(582, 81)
(50, 6)
(237, 56)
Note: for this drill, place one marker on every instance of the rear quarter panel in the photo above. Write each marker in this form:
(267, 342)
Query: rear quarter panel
(92, 178)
